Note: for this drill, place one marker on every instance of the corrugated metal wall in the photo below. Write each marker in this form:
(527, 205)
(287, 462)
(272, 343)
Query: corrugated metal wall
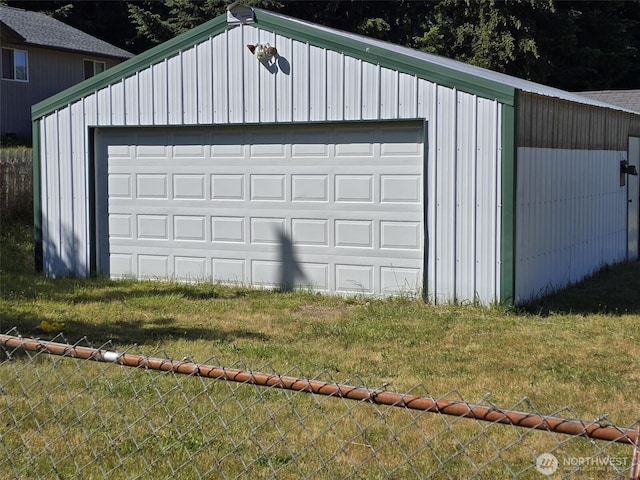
(220, 82)
(571, 212)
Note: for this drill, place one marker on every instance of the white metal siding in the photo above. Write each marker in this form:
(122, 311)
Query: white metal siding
(220, 82)
(571, 217)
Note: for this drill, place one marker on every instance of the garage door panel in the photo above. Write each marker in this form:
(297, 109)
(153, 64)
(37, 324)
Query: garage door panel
(334, 208)
(189, 186)
(229, 270)
(153, 266)
(190, 268)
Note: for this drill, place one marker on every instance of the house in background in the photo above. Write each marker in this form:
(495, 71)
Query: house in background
(629, 99)
(42, 56)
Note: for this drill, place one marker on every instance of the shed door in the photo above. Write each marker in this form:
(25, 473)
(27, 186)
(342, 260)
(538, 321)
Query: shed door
(336, 208)
(633, 198)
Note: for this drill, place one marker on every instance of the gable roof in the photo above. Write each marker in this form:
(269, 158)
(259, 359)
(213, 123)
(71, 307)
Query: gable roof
(444, 71)
(38, 29)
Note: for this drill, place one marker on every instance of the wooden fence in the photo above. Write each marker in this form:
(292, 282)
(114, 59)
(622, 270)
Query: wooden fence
(16, 182)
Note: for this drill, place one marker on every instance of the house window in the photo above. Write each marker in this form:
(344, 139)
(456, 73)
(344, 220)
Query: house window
(91, 68)
(14, 65)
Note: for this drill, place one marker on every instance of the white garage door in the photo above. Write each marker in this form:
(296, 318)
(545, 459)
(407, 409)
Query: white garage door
(336, 208)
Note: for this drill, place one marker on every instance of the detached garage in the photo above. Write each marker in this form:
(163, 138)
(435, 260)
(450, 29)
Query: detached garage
(268, 151)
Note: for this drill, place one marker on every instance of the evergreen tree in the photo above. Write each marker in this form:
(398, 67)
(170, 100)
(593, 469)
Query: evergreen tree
(498, 35)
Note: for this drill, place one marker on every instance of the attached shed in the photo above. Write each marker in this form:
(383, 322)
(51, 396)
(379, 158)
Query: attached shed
(316, 158)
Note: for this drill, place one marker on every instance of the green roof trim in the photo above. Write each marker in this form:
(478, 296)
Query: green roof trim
(131, 66)
(404, 63)
(297, 30)
(507, 202)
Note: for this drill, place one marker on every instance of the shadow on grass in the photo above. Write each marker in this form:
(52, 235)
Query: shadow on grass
(614, 290)
(134, 330)
(157, 306)
(25, 297)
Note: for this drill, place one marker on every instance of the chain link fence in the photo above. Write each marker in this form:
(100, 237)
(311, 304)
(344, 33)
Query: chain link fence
(16, 182)
(75, 411)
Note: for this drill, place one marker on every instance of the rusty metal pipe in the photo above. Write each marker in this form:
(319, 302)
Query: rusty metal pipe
(567, 426)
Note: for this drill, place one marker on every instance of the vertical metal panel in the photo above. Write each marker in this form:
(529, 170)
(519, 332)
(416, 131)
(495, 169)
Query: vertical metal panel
(80, 191)
(204, 81)
(317, 84)
(145, 96)
(175, 92)
(267, 81)
(90, 114)
(389, 91)
(465, 204)
(104, 106)
(117, 103)
(284, 83)
(235, 90)
(249, 83)
(131, 89)
(52, 230)
(190, 86)
(445, 194)
(407, 96)
(487, 199)
(370, 91)
(335, 86)
(428, 109)
(300, 68)
(352, 88)
(66, 189)
(161, 94)
(221, 78)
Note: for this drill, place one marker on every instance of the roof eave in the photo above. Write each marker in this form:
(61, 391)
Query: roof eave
(80, 52)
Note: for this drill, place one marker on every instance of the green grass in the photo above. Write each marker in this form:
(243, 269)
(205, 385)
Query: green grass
(577, 348)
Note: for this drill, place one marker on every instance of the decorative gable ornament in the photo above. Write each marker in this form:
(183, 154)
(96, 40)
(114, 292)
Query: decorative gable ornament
(263, 52)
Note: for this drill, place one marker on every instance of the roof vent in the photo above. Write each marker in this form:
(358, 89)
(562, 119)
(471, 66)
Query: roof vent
(238, 14)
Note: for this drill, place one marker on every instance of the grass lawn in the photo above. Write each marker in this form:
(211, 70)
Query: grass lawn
(578, 348)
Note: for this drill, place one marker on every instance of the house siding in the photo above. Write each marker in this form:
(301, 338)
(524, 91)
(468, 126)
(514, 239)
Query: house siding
(50, 71)
(218, 82)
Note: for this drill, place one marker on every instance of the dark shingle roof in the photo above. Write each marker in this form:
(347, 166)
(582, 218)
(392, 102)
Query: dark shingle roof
(629, 99)
(36, 28)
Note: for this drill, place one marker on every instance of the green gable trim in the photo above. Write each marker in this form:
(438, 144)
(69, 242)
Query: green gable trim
(507, 202)
(404, 63)
(438, 74)
(131, 66)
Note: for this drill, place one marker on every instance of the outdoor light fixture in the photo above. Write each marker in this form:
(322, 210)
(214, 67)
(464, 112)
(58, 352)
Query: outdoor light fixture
(626, 169)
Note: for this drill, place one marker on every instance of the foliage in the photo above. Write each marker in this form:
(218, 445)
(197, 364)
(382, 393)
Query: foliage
(575, 45)
(158, 21)
(500, 36)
